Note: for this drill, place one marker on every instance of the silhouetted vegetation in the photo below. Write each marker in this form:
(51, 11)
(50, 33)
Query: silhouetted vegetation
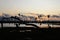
(17, 21)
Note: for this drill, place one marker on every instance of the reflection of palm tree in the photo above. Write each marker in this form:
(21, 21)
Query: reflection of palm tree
(2, 25)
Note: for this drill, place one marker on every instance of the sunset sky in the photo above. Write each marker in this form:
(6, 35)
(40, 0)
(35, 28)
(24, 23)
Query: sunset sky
(13, 7)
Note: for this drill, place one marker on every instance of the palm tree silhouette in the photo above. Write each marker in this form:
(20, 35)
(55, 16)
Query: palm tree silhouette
(48, 16)
(18, 14)
(48, 21)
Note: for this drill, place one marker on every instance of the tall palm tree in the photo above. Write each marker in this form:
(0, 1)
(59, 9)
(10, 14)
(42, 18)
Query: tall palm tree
(48, 21)
(40, 17)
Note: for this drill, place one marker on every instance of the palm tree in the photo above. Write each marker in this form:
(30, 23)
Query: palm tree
(48, 20)
(39, 17)
(48, 16)
(18, 14)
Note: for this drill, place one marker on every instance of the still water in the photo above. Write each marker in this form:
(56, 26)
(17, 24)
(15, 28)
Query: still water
(23, 25)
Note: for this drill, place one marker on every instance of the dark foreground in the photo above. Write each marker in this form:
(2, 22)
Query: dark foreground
(24, 33)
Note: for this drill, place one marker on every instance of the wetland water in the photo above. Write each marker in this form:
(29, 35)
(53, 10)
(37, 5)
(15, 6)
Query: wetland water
(23, 25)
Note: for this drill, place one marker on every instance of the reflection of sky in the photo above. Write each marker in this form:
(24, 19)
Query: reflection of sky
(35, 6)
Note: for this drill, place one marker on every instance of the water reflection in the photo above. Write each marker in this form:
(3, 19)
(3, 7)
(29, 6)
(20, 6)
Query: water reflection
(23, 25)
